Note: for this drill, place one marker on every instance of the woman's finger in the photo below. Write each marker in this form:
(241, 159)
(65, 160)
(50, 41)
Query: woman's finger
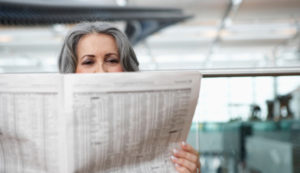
(190, 166)
(187, 147)
(185, 155)
(181, 169)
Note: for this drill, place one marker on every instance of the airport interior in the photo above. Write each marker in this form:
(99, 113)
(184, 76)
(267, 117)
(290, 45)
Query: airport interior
(248, 51)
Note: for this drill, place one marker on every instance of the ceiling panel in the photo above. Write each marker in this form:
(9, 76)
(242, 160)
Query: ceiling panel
(205, 12)
(255, 10)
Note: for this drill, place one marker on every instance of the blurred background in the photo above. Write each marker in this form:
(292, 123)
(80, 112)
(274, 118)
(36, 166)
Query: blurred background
(248, 114)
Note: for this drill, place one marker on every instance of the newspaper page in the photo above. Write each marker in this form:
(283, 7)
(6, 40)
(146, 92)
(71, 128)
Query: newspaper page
(30, 128)
(90, 123)
(128, 122)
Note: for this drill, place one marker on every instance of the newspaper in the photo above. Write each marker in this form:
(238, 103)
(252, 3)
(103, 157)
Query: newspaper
(92, 123)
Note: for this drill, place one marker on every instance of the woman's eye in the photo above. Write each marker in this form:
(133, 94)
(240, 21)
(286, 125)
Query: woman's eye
(87, 62)
(113, 60)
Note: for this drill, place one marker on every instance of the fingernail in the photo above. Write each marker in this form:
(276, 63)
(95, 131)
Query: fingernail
(175, 151)
(177, 165)
(183, 143)
(173, 158)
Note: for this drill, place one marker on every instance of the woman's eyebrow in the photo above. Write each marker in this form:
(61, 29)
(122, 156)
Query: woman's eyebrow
(88, 55)
(112, 53)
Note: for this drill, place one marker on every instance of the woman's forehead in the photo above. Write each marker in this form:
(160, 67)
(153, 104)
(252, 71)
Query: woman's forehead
(97, 39)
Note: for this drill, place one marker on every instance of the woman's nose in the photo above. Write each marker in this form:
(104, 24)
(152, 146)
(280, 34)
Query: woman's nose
(100, 68)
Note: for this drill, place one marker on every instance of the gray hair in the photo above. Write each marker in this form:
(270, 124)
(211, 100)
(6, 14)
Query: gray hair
(68, 59)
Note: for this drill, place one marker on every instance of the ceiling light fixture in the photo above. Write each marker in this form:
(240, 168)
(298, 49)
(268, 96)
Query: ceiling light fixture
(121, 2)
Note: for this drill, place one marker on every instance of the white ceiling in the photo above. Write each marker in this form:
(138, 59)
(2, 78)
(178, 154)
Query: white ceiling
(222, 34)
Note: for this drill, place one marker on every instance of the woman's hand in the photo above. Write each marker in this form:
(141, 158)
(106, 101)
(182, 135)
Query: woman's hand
(186, 159)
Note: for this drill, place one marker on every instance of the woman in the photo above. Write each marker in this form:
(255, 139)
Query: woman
(100, 48)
